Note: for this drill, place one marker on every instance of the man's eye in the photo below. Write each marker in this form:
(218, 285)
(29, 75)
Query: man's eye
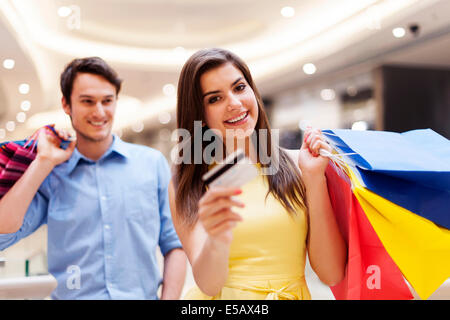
(107, 101)
(86, 101)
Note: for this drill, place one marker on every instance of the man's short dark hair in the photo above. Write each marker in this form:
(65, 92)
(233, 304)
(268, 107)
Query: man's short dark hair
(94, 65)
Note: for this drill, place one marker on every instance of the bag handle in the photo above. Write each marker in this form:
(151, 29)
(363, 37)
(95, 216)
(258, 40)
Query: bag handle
(34, 137)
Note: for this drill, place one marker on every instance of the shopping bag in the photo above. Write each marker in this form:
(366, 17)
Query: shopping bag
(419, 248)
(430, 203)
(16, 156)
(411, 169)
(370, 271)
(420, 156)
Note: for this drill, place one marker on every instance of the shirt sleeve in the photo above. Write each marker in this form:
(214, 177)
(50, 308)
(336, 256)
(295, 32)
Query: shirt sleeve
(168, 238)
(35, 216)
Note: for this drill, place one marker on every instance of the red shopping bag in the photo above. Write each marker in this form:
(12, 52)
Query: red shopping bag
(15, 157)
(371, 274)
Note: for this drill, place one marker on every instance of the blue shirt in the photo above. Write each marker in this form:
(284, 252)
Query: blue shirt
(105, 220)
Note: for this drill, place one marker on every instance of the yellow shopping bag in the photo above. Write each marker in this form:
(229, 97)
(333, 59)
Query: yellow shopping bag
(419, 247)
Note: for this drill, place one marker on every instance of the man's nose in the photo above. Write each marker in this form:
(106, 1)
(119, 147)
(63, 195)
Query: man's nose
(99, 110)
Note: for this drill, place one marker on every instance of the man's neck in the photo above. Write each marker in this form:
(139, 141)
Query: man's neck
(93, 150)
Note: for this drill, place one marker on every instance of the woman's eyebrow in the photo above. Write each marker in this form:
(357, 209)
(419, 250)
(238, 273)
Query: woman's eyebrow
(217, 91)
(211, 92)
(236, 81)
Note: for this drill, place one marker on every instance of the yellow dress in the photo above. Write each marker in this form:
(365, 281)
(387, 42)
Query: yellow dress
(268, 251)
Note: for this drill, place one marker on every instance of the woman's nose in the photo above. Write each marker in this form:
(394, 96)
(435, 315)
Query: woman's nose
(234, 102)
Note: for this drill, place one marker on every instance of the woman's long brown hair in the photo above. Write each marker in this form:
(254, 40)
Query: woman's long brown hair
(286, 184)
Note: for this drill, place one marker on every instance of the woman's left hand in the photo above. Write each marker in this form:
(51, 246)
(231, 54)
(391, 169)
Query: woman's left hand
(310, 162)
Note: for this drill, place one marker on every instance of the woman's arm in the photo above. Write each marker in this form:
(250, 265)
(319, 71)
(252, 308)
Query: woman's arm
(207, 243)
(326, 247)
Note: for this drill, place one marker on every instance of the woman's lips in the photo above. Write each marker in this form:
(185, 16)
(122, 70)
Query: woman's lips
(242, 118)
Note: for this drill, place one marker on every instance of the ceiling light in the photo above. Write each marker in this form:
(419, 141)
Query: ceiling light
(64, 11)
(137, 126)
(327, 94)
(309, 68)
(169, 89)
(24, 88)
(164, 117)
(8, 63)
(329, 33)
(10, 126)
(21, 117)
(360, 125)
(25, 105)
(398, 32)
(287, 12)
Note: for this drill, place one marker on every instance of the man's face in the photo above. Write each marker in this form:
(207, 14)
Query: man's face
(93, 104)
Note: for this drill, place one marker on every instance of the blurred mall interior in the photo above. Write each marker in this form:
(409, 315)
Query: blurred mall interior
(359, 64)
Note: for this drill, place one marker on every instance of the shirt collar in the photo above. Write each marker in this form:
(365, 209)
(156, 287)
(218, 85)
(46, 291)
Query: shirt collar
(118, 147)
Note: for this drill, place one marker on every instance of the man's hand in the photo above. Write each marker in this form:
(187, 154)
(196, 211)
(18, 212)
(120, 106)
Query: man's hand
(48, 146)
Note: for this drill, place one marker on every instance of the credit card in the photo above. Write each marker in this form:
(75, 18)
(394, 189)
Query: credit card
(235, 171)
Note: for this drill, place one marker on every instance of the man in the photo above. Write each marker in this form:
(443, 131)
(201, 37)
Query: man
(105, 201)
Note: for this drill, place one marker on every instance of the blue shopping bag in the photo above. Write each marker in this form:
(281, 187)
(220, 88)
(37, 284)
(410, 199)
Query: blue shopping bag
(411, 169)
(420, 156)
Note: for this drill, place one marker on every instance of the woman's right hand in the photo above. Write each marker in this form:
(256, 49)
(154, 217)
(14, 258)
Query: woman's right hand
(215, 214)
(48, 146)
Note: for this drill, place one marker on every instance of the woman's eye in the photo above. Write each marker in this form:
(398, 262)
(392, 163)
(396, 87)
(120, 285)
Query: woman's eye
(213, 100)
(240, 87)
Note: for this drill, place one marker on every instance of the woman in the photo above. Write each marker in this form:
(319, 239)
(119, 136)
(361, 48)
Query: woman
(252, 246)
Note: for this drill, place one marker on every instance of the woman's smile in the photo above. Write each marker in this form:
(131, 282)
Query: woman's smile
(238, 120)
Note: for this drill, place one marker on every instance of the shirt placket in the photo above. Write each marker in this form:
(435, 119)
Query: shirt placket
(107, 230)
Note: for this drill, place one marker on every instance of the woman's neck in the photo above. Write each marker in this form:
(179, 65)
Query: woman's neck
(246, 145)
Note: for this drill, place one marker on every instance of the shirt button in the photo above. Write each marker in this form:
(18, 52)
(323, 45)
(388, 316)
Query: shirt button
(107, 227)
(109, 257)
(103, 198)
